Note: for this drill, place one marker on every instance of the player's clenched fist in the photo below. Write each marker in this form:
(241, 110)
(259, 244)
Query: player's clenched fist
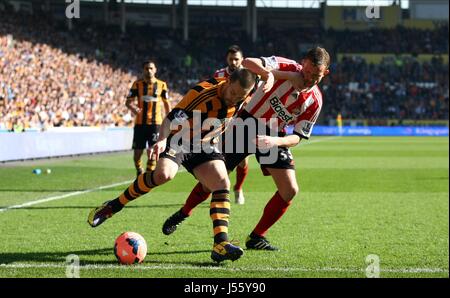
(158, 148)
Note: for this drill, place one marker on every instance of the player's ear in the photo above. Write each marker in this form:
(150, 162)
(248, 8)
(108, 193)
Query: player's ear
(326, 72)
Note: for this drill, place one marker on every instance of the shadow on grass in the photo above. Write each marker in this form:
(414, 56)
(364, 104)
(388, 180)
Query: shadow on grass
(93, 206)
(63, 190)
(53, 257)
(106, 254)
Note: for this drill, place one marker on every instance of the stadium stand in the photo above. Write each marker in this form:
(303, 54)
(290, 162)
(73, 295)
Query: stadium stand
(52, 77)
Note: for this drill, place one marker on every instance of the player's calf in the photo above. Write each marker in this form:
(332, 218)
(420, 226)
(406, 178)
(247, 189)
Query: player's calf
(142, 185)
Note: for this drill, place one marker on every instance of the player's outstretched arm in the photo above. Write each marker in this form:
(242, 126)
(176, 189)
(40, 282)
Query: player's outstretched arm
(296, 78)
(270, 75)
(266, 142)
(255, 65)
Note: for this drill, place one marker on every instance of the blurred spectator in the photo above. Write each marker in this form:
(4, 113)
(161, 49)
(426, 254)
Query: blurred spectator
(400, 88)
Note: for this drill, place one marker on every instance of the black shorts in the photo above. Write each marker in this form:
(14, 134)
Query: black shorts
(278, 158)
(190, 160)
(282, 160)
(143, 135)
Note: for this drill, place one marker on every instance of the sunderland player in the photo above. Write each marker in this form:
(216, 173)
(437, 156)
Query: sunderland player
(293, 99)
(211, 99)
(145, 100)
(234, 57)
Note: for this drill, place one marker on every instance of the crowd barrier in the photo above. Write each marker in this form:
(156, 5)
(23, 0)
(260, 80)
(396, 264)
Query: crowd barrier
(421, 131)
(63, 142)
(75, 141)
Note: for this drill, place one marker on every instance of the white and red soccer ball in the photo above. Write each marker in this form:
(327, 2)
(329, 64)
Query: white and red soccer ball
(130, 248)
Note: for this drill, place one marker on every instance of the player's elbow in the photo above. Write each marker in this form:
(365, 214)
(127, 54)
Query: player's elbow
(250, 63)
(292, 140)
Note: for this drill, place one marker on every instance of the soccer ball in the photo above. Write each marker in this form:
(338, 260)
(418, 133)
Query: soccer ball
(130, 248)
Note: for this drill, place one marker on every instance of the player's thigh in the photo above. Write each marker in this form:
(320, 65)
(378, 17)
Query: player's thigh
(139, 137)
(286, 182)
(244, 163)
(166, 169)
(232, 160)
(152, 135)
(213, 175)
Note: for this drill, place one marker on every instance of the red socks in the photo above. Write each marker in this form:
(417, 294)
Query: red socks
(197, 196)
(241, 173)
(273, 211)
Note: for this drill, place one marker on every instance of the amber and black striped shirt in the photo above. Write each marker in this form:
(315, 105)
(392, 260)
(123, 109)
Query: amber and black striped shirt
(150, 100)
(206, 99)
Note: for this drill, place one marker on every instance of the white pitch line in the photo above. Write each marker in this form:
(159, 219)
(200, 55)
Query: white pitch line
(71, 194)
(214, 268)
(319, 140)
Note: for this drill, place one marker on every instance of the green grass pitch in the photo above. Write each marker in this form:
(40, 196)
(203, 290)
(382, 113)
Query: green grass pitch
(358, 196)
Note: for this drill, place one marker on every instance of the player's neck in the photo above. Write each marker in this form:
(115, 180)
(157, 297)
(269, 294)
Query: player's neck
(150, 80)
(307, 90)
(221, 91)
(231, 69)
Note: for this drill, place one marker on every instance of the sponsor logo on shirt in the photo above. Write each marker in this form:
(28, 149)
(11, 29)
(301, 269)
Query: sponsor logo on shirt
(180, 116)
(148, 98)
(280, 110)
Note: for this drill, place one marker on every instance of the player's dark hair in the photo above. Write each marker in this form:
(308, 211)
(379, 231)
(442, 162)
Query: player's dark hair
(246, 78)
(234, 49)
(318, 56)
(148, 62)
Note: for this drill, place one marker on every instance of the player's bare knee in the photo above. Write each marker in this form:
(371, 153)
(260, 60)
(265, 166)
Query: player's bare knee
(161, 177)
(288, 193)
(205, 189)
(219, 184)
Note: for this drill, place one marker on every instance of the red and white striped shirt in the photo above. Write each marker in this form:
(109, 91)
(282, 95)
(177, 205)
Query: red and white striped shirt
(285, 103)
(222, 73)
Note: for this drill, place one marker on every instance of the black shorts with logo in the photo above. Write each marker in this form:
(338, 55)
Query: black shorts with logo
(278, 158)
(190, 160)
(145, 134)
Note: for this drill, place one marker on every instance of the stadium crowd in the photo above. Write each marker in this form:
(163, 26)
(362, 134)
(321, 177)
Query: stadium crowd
(52, 77)
(397, 88)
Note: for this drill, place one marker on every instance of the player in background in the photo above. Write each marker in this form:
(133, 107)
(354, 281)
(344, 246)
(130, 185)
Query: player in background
(212, 99)
(235, 56)
(294, 99)
(339, 123)
(145, 100)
